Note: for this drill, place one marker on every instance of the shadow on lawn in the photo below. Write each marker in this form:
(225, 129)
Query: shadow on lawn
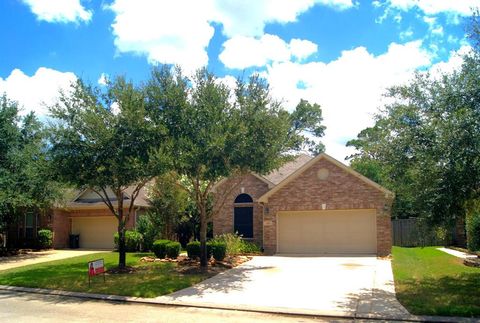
(457, 295)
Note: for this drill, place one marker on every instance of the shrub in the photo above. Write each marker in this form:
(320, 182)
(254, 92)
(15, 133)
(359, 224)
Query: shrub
(159, 248)
(233, 242)
(250, 247)
(148, 230)
(133, 240)
(173, 249)
(236, 245)
(219, 249)
(473, 231)
(45, 238)
(193, 249)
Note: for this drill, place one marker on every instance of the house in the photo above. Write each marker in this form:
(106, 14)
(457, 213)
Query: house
(308, 206)
(89, 217)
(22, 232)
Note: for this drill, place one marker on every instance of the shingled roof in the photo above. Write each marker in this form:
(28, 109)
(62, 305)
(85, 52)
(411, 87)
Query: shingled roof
(288, 168)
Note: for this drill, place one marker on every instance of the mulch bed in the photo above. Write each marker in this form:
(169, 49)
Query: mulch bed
(125, 270)
(189, 266)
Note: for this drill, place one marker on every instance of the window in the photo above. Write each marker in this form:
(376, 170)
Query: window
(244, 198)
(243, 216)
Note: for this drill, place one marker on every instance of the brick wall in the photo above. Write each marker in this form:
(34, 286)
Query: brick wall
(223, 214)
(341, 190)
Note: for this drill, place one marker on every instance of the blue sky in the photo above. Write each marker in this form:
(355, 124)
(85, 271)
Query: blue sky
(341, 54)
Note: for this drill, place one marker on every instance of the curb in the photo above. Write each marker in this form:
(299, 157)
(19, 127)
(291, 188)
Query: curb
(257, 309)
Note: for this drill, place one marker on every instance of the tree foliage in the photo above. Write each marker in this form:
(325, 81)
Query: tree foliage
(425, 145)
(106, 142)
(168, 204)
(25, 180)
(216, 133)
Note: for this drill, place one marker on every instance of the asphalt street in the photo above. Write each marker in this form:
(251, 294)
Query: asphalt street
(26, 307)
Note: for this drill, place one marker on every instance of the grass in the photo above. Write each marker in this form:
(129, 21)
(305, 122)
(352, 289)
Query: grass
(150, 279)
(431, 282)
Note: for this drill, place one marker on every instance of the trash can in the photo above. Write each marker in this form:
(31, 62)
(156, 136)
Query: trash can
(74, 241)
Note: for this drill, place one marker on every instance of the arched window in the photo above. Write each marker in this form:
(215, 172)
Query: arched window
(243, 216)
(244, 198)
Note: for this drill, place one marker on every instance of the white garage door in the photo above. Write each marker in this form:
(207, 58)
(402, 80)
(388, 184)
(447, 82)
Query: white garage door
(327, 232)
(95, 232)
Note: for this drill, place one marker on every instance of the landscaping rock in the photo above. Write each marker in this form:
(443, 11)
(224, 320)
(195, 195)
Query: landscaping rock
(472, 262)
(147, 259)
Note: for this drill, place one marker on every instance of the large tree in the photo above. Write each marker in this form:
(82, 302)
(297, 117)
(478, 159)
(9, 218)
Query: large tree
(106, 142)
(425, 145)
(218, 134)
(25, 181)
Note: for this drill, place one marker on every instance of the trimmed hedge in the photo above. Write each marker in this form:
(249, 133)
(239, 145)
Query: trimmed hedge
(193, 250)
(173, 249)
(219, 250)
(45, 238)
(159, 248)
(133, 240)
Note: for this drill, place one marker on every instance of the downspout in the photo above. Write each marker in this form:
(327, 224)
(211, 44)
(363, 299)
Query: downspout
(263, 224)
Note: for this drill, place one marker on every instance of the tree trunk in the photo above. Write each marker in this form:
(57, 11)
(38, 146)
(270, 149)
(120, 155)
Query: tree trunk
(121, 245)
(121, 239)
(203, 238)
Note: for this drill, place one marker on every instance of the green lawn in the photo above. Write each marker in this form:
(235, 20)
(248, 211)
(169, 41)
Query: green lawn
(150, 279)
(431, 282)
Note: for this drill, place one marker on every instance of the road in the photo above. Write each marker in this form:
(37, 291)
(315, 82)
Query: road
(25, 307)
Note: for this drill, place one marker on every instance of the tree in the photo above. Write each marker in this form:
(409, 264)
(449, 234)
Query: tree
(25, 181)
(105, 141)
(426, 144)
(219, 134)
(168, 204)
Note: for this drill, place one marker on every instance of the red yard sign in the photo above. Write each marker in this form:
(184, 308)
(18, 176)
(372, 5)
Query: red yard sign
(96, 267)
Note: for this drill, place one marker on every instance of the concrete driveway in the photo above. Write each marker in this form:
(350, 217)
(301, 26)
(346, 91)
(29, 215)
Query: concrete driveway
(42, 256)
(346, 286)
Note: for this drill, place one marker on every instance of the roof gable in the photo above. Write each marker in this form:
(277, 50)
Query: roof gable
(313, 161)
(278, 175)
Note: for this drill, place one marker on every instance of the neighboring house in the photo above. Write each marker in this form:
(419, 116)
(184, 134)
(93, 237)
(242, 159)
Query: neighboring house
(308, 206)
(88, 216)
(22, 233)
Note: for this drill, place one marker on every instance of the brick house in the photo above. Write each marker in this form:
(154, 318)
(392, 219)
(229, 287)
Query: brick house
(88, 216)
(308, 206)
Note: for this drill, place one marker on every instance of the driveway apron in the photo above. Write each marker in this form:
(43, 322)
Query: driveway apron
(334, 285)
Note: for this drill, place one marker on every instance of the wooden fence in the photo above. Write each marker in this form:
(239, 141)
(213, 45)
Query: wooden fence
(410, 233)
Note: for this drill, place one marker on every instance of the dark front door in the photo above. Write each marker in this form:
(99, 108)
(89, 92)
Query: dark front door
(243, 221)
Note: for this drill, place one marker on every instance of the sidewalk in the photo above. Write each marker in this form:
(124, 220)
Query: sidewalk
(286, 311)
(36, 257)
(457, 253)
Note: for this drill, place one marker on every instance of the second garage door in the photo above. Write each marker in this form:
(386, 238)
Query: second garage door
(95, 232)
(327, 232)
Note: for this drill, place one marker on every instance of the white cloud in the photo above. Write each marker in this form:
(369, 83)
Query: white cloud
(433, 7)
(35, 93)
(406, 34)
(242, 52)
(349, 89)
(249, 17)
(301, 48)
(179, 31)
(103, 79)
(63, 11)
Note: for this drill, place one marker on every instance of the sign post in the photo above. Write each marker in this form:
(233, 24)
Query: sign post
(96, 267)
